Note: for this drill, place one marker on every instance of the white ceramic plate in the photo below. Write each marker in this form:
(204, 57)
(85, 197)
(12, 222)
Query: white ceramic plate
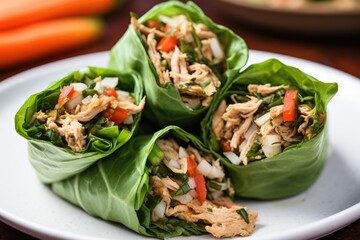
(316, 18)
(331, 203)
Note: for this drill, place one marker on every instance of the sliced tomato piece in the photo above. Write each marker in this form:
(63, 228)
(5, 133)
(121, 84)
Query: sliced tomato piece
(65, 95)
(117, 115)
(153, 24)
(111, 92)
(191, 166)
(200, 186)
(167, 44)
(290, 100)
(225, 144)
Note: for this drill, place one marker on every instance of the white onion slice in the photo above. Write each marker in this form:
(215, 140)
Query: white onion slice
(250, 131)
(216, 49)
(191, 183)
(174, 163)
(215, 173)
(122, 95)
(204, 167)
(189, 38)
(111, 82)
(87, 99)
(159, 211)
(108, 82)
(263, 119)
(79, 87)
(75, 100)
(271, 145)
(184, 199)
(129, 120)
(235, 159)
(182, 152)
(171, 22)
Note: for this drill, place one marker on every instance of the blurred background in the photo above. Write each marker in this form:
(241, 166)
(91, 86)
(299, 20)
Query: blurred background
(34, 32)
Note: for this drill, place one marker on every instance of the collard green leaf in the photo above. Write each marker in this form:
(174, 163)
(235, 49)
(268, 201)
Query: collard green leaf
(298, 166)
(164, 104)
(55, 163)
(115, 188)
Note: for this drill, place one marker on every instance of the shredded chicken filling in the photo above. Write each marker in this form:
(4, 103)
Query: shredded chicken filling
(188, 64)
(253, 128)
(220, 214)
(74, 111)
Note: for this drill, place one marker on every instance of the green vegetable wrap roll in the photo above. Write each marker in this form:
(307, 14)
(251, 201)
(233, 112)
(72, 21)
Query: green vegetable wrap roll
(270, 123)
(79, 119)
(184, 59)
(162, 185)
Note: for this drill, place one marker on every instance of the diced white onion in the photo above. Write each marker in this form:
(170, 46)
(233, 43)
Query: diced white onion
(108, 82)
(216, 48)
(189, 38)
(182, 152)
(159, 211)
(129, 120)
(74, 101)
(111, 82)
(215, 173)
(242, 145)
(263, 119)
(86, 99)
(204, 167)
(174, 163)
(99, 88)
(235, 159)
(184, 199)
(122, 95)
(79, 87)
(191, 183)
(271, 145)
(251, 129)
(271, 139)
(171, 22)
(224, 186)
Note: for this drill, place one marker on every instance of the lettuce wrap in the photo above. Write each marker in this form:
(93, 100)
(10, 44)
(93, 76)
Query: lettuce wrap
(157, 185)
(78, 120)
(270, 123)
(169, 97)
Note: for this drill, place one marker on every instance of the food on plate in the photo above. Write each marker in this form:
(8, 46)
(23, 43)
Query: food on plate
(188, 58)
(163, 185)
(270, 123)
(79, 119)
(185, 54)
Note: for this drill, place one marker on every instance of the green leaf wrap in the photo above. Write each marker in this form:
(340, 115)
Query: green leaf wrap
(164, 104)
(53, 163)
(114, 188)
(299, 165)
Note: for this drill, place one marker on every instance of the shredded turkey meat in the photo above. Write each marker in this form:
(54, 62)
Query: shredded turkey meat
(223, 221)
(239, 126)
(196, 82)
(180, 195)
(69, 121)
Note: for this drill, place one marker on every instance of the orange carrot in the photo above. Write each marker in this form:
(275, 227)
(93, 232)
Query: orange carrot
(37, 40)
(15, 13)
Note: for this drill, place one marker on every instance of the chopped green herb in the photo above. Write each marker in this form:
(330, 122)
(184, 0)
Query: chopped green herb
(183, 189)
(156, 155)
(243, 213)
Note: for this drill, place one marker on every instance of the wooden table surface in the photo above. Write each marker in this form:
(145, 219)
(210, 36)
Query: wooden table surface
(340, 52)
